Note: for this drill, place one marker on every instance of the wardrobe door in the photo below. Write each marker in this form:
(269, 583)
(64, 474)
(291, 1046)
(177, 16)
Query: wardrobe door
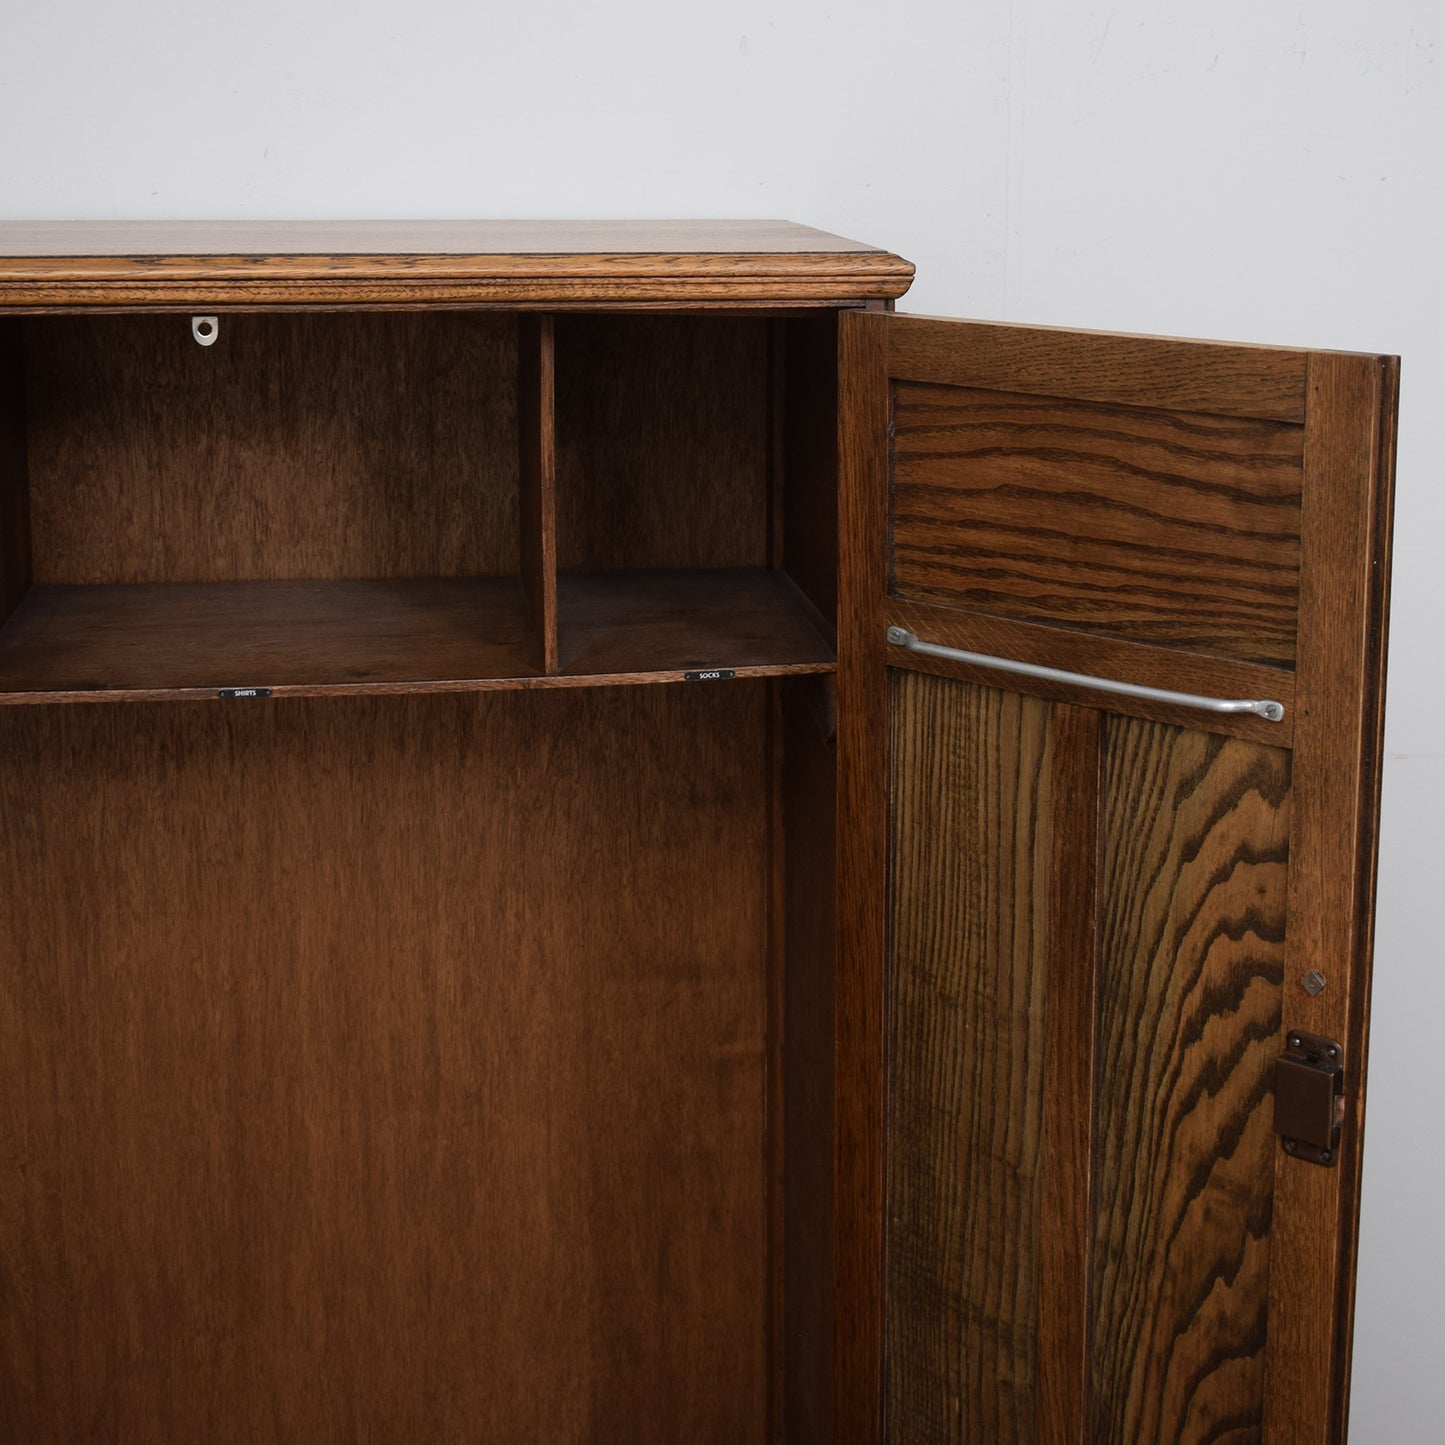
(1111, 662)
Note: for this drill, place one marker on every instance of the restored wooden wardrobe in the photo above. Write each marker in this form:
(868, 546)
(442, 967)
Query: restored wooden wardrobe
(603, 840)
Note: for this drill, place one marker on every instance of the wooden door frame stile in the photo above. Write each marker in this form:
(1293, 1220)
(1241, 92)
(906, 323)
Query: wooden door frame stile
(1340, 685)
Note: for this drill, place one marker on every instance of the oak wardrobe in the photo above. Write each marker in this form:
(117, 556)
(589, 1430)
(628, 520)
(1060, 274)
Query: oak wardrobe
(604, 839)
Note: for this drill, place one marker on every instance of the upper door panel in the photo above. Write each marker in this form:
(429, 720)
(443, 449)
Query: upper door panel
(1065, 493)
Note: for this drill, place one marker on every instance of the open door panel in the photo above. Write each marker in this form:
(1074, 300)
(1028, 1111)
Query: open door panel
(1111, 644)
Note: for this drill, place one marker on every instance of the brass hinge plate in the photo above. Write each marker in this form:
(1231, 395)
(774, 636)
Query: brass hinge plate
(1309, 1097)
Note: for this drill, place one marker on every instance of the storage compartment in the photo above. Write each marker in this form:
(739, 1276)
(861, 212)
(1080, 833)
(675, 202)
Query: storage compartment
(671, 535)
(410, 1060)
(354, 502)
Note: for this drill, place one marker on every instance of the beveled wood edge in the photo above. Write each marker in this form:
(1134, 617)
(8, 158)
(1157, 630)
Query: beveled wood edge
(306, 265)
(520, 683)
(750, 307)
(1334, 814)
(813, 278)
(1136, 662)
(1158, 372)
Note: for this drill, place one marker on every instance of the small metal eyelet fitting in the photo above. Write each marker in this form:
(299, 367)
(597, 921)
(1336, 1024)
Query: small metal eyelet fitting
(205, 329)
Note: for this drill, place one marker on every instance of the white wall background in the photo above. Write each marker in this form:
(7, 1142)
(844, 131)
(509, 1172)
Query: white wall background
(1226, 169)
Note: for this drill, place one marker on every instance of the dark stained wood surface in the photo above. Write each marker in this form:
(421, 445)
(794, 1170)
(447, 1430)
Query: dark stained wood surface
(396, 1077)
(662, 442)
(1142, 524)
(863, 732)
(615, 623)
(1372, 690)
(524, 263)
(692, 455)
(1071, 1023)
(1192, 916)
(1344, 613)
(315, 638)
(295, 447)
(537, 438)
(776, 1103)
(1234, 856)
(1160, 372)
(808, 865)
(971, 849)
(809, 366)
(94, 643)
(14, 488)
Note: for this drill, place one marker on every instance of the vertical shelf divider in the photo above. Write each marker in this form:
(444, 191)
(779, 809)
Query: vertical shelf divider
(537, 477)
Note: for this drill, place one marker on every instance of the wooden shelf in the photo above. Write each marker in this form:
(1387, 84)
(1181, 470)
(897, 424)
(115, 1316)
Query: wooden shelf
(659, 625)
(68, 644)
(130, 643)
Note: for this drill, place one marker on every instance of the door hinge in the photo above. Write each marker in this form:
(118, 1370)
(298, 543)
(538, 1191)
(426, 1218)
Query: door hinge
(1309, 1097)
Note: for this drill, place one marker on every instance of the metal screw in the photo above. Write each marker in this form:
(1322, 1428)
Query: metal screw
(1290, 1145)
(1294, 1041)
(1332, 1051)
(1324, 1156)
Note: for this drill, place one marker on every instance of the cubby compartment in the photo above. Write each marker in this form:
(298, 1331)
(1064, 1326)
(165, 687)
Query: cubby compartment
(311, 502)
(672, 471)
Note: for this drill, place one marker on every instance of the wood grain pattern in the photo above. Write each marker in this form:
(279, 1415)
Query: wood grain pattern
(111, 643)
(1149, 525)
(971, 848)
(1162, 372)
(862, 877)
(354, 446)
(778, 1141)
(398, 1077)
(1344, 606)
(1196, 842)
(1071, 1016)
(500, 263)
(616, 623)
(1221, 1277)
(15, 570)
(662, 443)
(537, 438)
(808, 797)
(97, 644)
(1071, 651)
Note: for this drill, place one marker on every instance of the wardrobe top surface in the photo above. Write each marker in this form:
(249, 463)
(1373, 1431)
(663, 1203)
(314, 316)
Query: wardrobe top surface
(440, 238)
(108, 263)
